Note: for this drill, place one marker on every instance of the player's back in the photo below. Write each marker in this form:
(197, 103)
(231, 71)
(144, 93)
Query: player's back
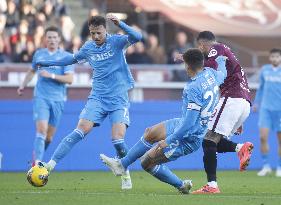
(203, 91)
(235, 84)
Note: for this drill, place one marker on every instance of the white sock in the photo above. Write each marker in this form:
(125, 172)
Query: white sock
(52, 164)
(213, 184)
(238, 147)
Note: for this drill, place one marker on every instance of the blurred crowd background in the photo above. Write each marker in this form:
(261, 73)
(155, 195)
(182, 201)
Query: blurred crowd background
(22, 24)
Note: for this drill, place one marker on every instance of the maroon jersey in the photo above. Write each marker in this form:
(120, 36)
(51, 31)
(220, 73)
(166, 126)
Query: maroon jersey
(235, 85)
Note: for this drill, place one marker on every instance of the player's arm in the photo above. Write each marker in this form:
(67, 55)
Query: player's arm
(259, 92)
(221, 71)
(65, 78)
(133, 35)
(192, 114)
(64, 61)
(28, 77)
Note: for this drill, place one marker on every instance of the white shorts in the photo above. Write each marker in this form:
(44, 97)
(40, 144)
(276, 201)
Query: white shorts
(229, 115)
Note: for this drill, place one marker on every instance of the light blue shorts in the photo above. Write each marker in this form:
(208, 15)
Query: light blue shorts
(48, 110)
(96, 110)
(270, 119)
(179, 147)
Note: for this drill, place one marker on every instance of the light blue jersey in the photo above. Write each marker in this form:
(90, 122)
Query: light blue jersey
(269, 93)
(268, 98)
(47, 88)
(200, 96)
(111, 76)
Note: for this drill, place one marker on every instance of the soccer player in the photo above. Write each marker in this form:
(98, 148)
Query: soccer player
(49, 92)
(230, 113)
(179, 136)
(268, 100)
(111, 81)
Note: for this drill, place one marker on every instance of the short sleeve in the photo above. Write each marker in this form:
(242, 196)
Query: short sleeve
(81, 55)
(34, 59)
(214, 52)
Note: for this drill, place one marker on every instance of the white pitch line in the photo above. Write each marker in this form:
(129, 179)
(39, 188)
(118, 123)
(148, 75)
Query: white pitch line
(150, 194)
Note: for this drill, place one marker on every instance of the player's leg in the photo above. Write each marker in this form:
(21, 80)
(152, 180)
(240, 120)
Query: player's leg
(90, 116)
(265, 123)
(152, 134)
(277, 128)
(50, 133)
(278, 170)
(165, 151)
(41, 116)
(55, 116)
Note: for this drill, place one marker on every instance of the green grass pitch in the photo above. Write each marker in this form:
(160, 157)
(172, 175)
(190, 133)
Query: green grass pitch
(75, 188)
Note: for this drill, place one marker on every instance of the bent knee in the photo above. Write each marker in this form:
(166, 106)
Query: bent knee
(149, 135)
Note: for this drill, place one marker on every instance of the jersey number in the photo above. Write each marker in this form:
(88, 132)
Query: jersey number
(210, 94)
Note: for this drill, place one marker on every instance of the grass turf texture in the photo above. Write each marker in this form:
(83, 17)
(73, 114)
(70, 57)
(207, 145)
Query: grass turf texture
(69, 188)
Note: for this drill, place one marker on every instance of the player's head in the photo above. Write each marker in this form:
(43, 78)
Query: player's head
(275, 57)
(97, 27)
(52, 35)
(205, 40)
(194, 61)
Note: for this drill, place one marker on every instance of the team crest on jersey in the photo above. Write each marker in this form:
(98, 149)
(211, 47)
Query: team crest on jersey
(213, 52)
(108, 46)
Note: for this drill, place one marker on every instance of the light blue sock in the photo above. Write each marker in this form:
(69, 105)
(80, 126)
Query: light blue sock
(164, 174)
(39, 146)
(279, 162)
(265, 159)
(139, 149)
(120, 147)
(67, 144)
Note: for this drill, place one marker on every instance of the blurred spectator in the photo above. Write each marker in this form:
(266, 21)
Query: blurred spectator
(19, 41)
(48, 10)
(85, 33)
(40, 19)
(28, 13)
(3, 6)
(155, 51)
(139, 56)
(60, 8)
(38, 37)
(76, 43)
(67, 27)
(12, 15)
(181, 45)
(27, 53)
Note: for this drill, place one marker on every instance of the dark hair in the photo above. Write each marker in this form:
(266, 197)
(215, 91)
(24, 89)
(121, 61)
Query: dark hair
(206, 35)
(97, 21)
(52, 28)
(275, 50)
(194, 58)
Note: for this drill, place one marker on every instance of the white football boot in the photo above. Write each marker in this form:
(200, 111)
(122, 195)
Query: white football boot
(114, 164)
(187, 185)
(265, 171)
(126, 182)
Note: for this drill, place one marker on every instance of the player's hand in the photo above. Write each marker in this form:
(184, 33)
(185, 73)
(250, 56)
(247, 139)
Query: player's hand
(20, 90)
(45, 74)
(239, 131)
(113, 18)
(178, 57)
(221, 59)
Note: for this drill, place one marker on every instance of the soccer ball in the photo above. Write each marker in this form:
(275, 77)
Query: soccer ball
(37, 176)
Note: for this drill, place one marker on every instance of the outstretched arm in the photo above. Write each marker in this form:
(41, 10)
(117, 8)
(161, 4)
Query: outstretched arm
(133, 35)
(64, 61)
